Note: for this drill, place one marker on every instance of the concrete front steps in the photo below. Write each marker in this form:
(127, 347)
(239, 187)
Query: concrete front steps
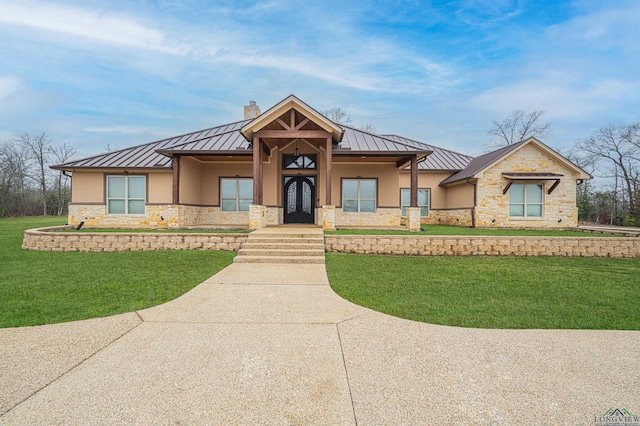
(283, 245)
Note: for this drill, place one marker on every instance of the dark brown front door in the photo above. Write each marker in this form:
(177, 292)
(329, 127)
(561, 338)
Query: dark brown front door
(299, 199)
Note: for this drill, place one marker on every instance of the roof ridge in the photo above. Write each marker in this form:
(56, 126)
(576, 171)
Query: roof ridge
(432, 146)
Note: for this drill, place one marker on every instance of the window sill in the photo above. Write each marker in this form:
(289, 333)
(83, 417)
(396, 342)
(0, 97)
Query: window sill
(526, 218)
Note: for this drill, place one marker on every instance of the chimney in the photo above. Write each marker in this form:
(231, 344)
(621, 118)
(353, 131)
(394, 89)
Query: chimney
(251, 111)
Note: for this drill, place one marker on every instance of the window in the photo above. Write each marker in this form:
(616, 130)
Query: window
(359, 195)
(423, 201)
(525, 200)
(236, 194)
(299, 162)
(126, 194)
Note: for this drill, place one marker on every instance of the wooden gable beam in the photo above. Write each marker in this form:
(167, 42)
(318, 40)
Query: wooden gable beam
(302, 123)
(555, 184)
(293, 134)
(292, 119)
(283, 124)
(506, 188)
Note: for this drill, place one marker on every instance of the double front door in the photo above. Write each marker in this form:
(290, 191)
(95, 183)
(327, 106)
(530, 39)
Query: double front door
(299, 199)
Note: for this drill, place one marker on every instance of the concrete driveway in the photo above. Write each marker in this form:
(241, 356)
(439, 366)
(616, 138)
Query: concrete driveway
(272, 344)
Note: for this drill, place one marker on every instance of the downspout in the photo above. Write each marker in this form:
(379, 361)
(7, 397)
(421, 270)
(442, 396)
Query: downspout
(473, 209)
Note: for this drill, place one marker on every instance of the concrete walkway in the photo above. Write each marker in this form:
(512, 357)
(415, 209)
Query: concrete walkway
(272, 344)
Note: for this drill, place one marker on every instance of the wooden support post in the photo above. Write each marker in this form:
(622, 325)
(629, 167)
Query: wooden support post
(257, 171)
(329, 152)
(175, 166)
(414, 181)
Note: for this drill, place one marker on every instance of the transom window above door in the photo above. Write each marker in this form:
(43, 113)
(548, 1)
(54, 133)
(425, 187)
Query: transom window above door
(306, 161)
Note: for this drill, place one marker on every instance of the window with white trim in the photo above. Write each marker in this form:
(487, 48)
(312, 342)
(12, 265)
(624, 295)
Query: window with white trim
(525, 200)
(126, 194)
(423, 201)
(236, 194)
(359, 195)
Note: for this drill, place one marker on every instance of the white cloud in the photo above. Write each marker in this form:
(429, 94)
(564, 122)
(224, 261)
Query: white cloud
(8, 86)
(86, 23)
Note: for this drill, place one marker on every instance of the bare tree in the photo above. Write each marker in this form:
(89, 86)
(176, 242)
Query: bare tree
(14, 161)
(516, 127)
(338, 116)
(62, 154)
(39, 148)
(110, 148)
(617, 149)
(368, 127)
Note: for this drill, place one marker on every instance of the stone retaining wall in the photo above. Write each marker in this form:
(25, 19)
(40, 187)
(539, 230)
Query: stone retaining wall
(421, 245)
(51, 239)
(47, 239)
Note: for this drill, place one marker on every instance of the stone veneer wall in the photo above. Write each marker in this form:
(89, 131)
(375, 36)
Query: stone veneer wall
(381, 217)
(155, 216)
(455, 217)
(47, 239)
(422, 245)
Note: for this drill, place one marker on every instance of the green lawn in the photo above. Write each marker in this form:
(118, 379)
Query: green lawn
(43, 287)
(460, 230)
(493, 292)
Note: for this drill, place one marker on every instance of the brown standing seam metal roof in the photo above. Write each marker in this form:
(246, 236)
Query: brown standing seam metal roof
(440, 159)
(228, 139)
(145, 156)
(479, 163)
(361, 141)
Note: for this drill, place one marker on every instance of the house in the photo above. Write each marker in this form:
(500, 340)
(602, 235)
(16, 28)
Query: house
(291, 164)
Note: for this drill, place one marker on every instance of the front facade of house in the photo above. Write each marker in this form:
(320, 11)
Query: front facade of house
(291, 165)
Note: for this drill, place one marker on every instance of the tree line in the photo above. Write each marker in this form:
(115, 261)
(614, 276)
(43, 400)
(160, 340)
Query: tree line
(28, 187)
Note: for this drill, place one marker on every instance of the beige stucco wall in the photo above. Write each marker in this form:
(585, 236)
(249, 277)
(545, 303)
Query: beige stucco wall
(428, 180)
(160, 187)
(190, 181)
(559, 209)
(388, 181)
(459, 196)
(211, 174)
(87, 187)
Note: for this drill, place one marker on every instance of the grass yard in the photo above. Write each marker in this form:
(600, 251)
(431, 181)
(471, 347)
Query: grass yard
(44, 287)
(459, 230)
(493, 292)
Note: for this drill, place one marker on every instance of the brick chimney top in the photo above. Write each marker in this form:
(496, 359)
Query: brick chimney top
(251, 111)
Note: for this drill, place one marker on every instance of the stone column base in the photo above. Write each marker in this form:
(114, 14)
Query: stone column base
(329, 218)
(257, 216)
(413, 219)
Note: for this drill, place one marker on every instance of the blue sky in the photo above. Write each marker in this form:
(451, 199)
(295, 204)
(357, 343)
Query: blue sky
(97, 73)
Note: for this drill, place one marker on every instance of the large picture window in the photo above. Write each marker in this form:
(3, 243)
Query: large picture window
(236, 194)
(525, 200)
(126, 194)
(423, 201)
(359, 195)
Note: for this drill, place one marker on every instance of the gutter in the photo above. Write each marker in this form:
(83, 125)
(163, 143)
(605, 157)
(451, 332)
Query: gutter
(475, 197)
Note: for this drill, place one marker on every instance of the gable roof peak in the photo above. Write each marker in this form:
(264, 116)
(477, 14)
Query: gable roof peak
(283, 106)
